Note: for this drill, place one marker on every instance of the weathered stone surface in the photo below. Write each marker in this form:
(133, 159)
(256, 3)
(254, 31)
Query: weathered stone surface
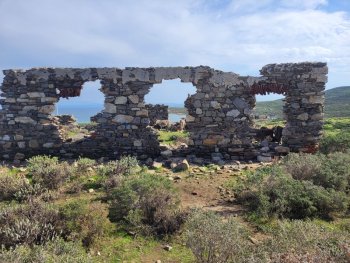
(134, 98)
(110, 108)
(282, 149)
(25, 120)
(303, 116)
(233, 113)
(166, 153)
(219, 115)
(123, 118)
(121, 100)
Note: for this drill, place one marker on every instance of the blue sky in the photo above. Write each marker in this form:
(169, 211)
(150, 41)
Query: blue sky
(231, 35)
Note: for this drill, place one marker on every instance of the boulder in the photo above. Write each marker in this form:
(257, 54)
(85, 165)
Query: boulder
(166, 153)
(282, 149)
(264, 159)
(180, 165)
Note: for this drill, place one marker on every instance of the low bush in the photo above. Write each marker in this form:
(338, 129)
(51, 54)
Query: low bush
(213, 240)
(272, 192)
(335, 143)
(303, 166)
(10, 185)
(125, 166)
(29, 224)
(56, 250)
(331, 171)
(84, 221)
(335, 172)
(146, 203)
(29, 191)
(48, 172)
(305, 241)
(83, 166)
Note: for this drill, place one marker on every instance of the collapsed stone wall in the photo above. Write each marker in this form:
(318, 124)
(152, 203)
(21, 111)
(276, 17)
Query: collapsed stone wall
(220, 118)
(157, 112)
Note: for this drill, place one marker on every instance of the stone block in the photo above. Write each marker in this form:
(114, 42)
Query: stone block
(303, 116)
(216, 105)
(47, 109)
(48, 145)
(33, 144)
(36, 94)
(25, 120)
(142, 113)
(137, 143)
(123, 118)
(120, 100)
(134, 99)
(110, 108)
(233, 113)
(240, 104)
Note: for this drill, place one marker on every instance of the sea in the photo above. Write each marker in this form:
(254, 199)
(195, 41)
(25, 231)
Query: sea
(82, 113)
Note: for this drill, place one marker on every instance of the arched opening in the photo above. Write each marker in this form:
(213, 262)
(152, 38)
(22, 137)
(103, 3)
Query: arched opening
(74, 113)
(167, 112)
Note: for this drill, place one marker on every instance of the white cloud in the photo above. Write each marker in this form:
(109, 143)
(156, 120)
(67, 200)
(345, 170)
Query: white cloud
(233, 35)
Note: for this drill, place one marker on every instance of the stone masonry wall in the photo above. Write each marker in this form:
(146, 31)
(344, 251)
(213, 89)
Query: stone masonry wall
(220, 119)
(157, 112)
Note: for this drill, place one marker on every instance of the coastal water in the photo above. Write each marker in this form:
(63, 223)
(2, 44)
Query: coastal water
(83, 113)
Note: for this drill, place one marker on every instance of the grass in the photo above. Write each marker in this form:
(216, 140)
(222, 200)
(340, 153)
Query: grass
(170, 137)
(335, 126)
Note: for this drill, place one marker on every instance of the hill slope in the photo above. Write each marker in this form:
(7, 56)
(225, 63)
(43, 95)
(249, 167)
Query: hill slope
(337, 104)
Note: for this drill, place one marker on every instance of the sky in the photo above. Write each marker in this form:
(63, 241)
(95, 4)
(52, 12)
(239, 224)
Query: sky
(238, 36)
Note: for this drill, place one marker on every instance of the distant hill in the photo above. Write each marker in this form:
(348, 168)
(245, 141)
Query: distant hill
(337, 104)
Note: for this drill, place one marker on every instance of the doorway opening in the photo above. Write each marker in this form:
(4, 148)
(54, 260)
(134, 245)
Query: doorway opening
(269, 122)
(74, 114)
(166, 108)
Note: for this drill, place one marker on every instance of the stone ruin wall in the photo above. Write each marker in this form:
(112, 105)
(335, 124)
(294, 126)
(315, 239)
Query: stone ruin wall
(220, 118)
(157, 112)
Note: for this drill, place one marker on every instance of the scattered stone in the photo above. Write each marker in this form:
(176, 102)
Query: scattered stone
(166, 153)
(282, 149)
(264, 159)
(167, 248)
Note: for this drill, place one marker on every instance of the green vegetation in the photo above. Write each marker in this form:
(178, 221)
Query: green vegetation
(337, 104)
(336, 135)
(295, 210)
(146, 203)
(169, 137)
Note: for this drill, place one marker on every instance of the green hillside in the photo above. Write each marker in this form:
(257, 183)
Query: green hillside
(337, 104)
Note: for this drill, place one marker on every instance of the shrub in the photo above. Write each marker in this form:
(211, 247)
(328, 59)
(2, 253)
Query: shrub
(335, 172)
(84, 221)
(10, 185)
(303, 166)
(305, 241)
(332, 171)
(83, 165)
(125, 166)
(279, 194)
(335, 143)
(48, 172)
(29, 191)
(213, 240)
(29, 224)
(53, 251)
(146, 203)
